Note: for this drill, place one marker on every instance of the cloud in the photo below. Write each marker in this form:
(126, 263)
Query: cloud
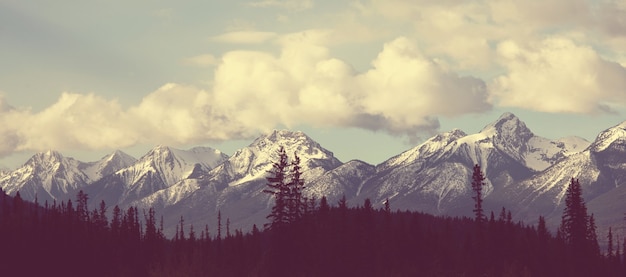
(204, 60)
(75, 121)
(290, 5)
(407, 89)
(401, 94)
(465, 33)
(253, 91)
(558, 75)
(244, 37)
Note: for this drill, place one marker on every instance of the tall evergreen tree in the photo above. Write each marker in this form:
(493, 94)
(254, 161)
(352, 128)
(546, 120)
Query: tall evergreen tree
(542, 230)
(575, 221)
(279, 189)
(219, 225)
(295, 203)
(477, 187)
(82, 211)
(592, 237)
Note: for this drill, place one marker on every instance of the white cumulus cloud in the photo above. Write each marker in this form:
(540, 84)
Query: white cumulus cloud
(252, 91)
(558, 75)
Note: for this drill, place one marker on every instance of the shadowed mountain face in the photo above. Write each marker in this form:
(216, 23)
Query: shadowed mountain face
(526, 174)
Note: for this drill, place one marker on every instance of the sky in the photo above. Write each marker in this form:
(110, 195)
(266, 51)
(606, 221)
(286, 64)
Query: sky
(366, 79)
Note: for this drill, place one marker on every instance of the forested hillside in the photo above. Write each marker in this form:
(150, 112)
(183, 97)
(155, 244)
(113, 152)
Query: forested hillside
(328, 240)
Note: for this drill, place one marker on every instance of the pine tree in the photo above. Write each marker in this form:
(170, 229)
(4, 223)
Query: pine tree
(575, 221)
(116, 221)
(578, 229)
(542, 230)
(609, 249)
(592, 237)
(182, 228)
(82, 211)
(324, 207)
(295, 204)
(151, 233)
(219, 225)
(279, 189)
(477, 186)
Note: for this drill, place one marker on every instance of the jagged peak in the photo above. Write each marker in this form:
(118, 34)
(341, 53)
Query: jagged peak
(119, 153)
(282, 137)
(609, 136)
(50, 155)
(278, 135)
(205, 149)
(508, 125)
(448, 136)
(159, 150)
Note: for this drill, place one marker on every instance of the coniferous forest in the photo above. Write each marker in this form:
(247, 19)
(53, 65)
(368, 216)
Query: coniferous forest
(314, 239)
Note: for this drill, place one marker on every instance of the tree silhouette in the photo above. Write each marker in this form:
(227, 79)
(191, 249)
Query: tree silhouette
(575, 221)
(279, 189)
(477, 187)
(295, 202)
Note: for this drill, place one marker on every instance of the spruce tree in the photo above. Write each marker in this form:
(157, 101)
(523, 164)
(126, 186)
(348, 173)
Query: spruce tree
(609, 249)
(477, 186)
(279, 189)
(575, 221)
(295, 203)
(542, 230)
(219, 225)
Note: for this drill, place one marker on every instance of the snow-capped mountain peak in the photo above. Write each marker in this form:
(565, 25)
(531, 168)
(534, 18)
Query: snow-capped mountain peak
(613, 136)
(510, 135)
(253, 162)
(172, 165)
(429, 148)
(46, 176)
(109, 164)
(508, 125)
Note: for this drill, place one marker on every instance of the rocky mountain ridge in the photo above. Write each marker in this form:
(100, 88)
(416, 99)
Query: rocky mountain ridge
(525, 173)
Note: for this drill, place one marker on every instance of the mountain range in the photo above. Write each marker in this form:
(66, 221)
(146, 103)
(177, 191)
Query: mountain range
(525, 173)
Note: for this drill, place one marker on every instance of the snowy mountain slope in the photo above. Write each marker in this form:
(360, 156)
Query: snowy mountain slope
(345, 180)
(435, 176)
(252, 162)
(107, 165)
(525, 173)
(51, 176)
(601, 170)
(236, 186)
(159, 169)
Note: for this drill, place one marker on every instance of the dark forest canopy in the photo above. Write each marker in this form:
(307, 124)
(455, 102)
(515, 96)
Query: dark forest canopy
(328, 240)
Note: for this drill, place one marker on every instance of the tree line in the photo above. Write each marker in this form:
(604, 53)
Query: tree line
(304, 237)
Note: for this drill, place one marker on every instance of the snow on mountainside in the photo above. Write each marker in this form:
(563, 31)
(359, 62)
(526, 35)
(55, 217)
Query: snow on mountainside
(108, 165)
(613, 136)
(525, 173)
(252, 162)
(431, 148)
(434, 176)
(50, 175)
(600, 169)
(345, 180)
(160, 168)
(236, 186)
